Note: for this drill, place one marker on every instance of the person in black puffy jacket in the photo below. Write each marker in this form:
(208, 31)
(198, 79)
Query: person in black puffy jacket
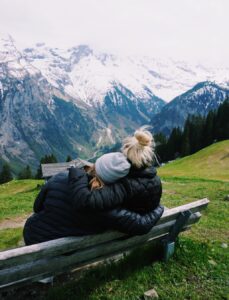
(138, 193)
(66, 205)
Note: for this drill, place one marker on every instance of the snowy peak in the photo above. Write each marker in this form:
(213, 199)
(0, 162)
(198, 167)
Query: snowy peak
(77, 53)
(12, 62)
(202, 98)
(85, 74)
(204, 93)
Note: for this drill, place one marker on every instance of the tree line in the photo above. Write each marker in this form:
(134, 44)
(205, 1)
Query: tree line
(26, 172)
(198, 132)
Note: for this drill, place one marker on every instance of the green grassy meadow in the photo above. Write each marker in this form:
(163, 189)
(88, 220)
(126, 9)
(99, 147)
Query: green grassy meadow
(210, 163)
(199, 269)
(16, 203)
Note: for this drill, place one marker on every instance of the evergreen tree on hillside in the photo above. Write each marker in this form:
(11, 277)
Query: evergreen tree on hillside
(208, 129)
(174, 144)
(196, 125)
(5, 174)
(198, 133)
(185, 146)
(222, 121)
(161, 146)
(25, 173)
(69, 158)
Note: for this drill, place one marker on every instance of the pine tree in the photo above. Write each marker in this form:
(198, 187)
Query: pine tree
(208, 130)
(161, 147)
(52, 158)
(69, 158)
(196, 125)
(25, 173)
(5, 175)
(222, 121)
(185, 147)
(174, 144)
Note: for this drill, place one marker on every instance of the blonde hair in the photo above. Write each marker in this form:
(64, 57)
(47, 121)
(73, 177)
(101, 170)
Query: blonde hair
(95, 183)
(139, 148)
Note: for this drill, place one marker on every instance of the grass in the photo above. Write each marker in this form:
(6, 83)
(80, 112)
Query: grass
(17, 197)
(16, 200)
(10, 238)
(197, 271)
(214, 224)
(210, 163)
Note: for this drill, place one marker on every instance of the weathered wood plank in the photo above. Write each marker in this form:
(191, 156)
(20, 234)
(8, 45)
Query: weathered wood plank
(51, 169)
(63, 263)
(195, 206)
(64, 245)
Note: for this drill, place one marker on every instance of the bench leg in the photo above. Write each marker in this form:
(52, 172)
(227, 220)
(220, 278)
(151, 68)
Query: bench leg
(168, 244)
(168, 250)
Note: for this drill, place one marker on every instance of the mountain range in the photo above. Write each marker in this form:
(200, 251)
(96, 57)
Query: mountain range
(199, 100)
(78, 100)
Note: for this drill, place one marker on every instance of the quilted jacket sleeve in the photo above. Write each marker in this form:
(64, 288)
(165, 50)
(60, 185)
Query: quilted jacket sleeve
(39, 201)
(132, 223)
(83, 198)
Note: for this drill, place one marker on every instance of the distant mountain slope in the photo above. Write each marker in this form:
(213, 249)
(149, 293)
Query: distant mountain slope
(211, 162)
(202, 98)
(38, 116)
(78, 101)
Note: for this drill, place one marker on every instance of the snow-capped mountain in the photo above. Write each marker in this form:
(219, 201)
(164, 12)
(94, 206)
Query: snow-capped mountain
(202, 98)
(84, 73)
(75, 101)
(39, 116)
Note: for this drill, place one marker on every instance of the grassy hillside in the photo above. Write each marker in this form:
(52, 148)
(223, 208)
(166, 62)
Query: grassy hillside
(211, 162)
(17, 197)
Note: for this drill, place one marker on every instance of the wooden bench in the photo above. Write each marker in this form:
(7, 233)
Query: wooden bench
(31, 263)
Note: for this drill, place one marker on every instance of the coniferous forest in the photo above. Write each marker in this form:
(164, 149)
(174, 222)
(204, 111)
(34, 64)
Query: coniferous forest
(198, 132)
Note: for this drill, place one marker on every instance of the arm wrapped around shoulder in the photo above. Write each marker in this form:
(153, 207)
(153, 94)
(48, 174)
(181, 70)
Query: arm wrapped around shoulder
(84, 199)
(133, 223)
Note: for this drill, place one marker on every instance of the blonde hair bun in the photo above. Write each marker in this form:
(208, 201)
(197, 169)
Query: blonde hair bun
(143, 138)
(139, 148)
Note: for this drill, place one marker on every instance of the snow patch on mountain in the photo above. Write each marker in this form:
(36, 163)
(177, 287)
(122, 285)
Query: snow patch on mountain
(88, 75)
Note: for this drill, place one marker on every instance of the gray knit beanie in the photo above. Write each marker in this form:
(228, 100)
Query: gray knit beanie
(112, 166)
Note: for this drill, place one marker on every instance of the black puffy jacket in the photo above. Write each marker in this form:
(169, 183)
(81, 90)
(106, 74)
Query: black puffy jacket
(66, 207)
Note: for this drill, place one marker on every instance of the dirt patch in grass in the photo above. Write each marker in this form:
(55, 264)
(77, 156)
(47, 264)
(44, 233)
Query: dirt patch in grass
(13, 222)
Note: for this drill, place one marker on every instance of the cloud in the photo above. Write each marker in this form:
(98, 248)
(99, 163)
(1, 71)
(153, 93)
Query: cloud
(182, 29)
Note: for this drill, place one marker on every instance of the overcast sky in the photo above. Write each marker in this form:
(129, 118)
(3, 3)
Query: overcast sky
(193, 30)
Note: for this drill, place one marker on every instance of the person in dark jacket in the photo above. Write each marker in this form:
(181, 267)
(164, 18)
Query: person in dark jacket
(134, 201)
(66, 206)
